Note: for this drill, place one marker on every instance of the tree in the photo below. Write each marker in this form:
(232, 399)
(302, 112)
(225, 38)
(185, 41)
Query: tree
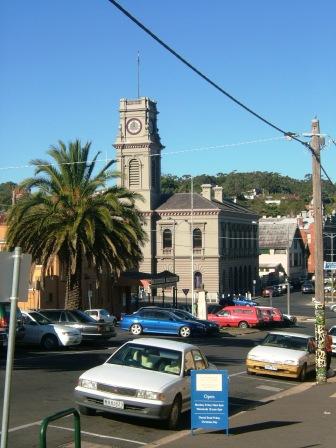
(73, 214)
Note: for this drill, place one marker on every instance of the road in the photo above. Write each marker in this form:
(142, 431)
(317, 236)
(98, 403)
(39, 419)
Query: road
(43, 384)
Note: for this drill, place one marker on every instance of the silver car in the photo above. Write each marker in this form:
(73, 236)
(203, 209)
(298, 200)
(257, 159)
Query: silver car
(90, 329)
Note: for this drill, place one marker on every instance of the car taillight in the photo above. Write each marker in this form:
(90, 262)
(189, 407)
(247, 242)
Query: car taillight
(3, 322)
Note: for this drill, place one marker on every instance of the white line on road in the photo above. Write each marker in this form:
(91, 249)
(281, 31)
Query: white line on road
(98, 435)
(18, 428)
(270, 388)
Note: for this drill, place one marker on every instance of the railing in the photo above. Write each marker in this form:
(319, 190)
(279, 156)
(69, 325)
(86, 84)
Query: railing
(58, 415)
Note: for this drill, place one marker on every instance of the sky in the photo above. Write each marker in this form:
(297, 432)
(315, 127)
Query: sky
(66, 63)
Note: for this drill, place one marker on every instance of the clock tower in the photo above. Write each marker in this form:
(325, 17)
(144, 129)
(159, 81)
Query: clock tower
(138, 149)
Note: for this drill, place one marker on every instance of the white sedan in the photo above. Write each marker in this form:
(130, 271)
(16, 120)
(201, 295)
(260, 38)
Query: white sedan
(283, 354)
(40, 330)
(145, 377)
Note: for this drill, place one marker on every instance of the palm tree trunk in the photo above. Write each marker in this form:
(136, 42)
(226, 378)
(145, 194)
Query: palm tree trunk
(73, 291)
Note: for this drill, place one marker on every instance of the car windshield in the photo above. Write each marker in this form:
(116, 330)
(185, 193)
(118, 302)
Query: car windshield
(285, 341)
(148, 357)
(39, 318)
(104, 313)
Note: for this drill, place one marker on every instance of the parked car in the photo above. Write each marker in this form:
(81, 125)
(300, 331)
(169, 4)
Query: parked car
(3, 342)
(242, 300)
(270, 291)
(332, 332)
(154, 320)
(266, 315)
(237, 316)
(283, 354)
(289, 320)
(213, 308)
(101, 314)
(276, 314)
(308, 287)
(40, 330)
(148, 378)
(5, 308)
(90, 329)
(211, 327)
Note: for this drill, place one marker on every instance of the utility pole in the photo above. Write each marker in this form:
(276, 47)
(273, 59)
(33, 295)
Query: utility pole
(321, 374)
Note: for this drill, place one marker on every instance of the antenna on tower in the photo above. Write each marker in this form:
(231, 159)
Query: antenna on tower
(138, 74)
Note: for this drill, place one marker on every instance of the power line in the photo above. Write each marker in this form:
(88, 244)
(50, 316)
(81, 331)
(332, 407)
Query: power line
(292, 135)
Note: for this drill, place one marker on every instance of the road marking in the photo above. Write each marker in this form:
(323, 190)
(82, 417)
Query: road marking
(270, 388)
(333, 395)
(18, 428)
(236, 374)
(98, 435)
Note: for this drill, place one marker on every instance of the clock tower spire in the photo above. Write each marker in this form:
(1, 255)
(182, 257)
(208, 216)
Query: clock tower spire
(138, 148)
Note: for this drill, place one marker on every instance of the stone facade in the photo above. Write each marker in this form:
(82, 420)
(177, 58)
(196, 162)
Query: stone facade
(217, 236)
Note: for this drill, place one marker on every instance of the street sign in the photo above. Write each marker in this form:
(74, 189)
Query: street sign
(6, 276)
(209, 399)
(185, 291)
(330, 265)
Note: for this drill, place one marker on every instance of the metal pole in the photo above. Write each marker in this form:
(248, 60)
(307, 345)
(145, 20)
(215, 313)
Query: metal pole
(11, 347)
(321, 376)
(288, 298)
(332, 272)
(192, 246)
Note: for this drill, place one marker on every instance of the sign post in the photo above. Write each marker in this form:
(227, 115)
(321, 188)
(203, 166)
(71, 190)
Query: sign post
(185, 292)
(14, 277)
(209, 400)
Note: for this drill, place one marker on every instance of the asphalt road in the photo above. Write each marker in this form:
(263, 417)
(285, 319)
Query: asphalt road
(43, 384)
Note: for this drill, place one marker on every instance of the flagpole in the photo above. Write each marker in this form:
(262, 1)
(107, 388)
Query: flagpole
(138, 74)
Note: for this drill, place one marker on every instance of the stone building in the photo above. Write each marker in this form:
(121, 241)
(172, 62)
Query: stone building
(210, 243)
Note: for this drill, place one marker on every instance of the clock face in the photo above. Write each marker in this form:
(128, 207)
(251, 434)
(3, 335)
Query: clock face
(134, 126)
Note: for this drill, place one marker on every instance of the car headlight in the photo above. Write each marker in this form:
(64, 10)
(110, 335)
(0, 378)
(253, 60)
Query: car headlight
(87, 384)
(69, 333)
(149, 395)
(292, 362)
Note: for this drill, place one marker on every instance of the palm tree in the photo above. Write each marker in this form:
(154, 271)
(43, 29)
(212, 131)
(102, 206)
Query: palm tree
(72, 213)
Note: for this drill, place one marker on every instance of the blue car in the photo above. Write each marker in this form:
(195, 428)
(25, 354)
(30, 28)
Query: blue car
(242, 300)
(153, 320)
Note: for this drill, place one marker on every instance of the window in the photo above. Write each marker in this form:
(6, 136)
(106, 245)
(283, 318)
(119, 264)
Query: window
(167, 239)
(198, 280)
(188, 362)
(279, 251)
(134, 174)
(265, 251)
(197, 239)
(199, 361)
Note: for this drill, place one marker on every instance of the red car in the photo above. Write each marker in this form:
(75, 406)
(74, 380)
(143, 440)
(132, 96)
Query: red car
(238, 316)
(277, 316)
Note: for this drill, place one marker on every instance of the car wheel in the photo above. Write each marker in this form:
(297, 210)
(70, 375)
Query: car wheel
(303, 373)
(249, 372)
(136, 329)
(86, 411)
(243, 324)
(185, 332)
(49, 341)
(174, 414)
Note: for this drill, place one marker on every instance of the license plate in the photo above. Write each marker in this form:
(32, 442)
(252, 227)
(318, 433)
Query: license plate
(113, 403)
(270, 367)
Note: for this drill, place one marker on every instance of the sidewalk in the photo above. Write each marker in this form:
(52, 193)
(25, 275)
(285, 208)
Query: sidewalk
(301, 417)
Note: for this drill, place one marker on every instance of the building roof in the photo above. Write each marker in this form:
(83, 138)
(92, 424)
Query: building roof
(276, 234)
(182, 201)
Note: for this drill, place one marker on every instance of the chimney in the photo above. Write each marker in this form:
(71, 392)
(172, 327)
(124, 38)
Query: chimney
(206, 191)
(218, 193)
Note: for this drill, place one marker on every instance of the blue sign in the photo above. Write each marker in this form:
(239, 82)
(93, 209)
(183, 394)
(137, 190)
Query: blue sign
(330, 265)
(209, 399)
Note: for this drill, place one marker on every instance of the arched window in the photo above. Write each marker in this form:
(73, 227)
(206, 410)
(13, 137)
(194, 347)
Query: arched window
(197, 239)
(198, 280)
(134, 174)
(167, 239)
